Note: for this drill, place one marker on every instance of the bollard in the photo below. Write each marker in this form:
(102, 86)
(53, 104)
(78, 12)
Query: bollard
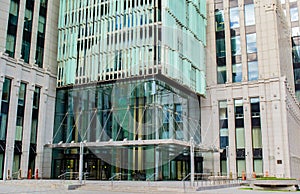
(29, 174)
(36, 174)
(267, 174)
(243, 176)
(20, 174)
(8, 174)
(254, 175)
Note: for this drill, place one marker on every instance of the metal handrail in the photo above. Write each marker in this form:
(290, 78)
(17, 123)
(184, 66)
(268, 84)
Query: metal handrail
(195, 174)
(113, 177)
(66, 173)
(151, 176)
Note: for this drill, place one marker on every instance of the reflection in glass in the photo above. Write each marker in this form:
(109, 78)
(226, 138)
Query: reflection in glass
(237, 72)
(221, 47)
(294, 14)
(251, 43)
(219, 18)
(234, 17)
(249, 15)
(236, 45)
(252, 70)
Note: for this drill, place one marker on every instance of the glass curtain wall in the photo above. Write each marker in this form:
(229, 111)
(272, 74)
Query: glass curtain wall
(143, 110)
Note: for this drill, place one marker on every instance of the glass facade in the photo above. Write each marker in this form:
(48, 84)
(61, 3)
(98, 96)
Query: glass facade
(128, 111)
(28, 18)
(136, 68)
(122, 40)
(39, 55)
(12, 27)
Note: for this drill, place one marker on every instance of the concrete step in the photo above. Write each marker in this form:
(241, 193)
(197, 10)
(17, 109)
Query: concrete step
(139, 187)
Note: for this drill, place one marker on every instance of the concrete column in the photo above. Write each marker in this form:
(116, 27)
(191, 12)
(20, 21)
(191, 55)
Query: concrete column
(231, 131)
(42, 128)
(248, 138)
(27, 130)
(19, 37)
(11, 128)
(35, 24)
(4, 10)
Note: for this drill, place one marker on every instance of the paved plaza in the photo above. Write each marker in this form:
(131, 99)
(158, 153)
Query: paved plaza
(56, 187)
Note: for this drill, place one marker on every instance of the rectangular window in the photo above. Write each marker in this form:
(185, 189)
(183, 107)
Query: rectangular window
(12, 27)
(35, 115)
(39, 55)
(236, 46)
(4, 108)
(237, 74)
(239, 128)
(252, 70)
(25, 52)
(223, 124)
(219, 19)
(234, 17)
(241, 167)
(294, 14)
(221, 47)
(258, 166)
(20, 112)
(251, 43)
(249, 15)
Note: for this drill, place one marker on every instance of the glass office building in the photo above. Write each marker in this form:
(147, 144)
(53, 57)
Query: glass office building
(130, 78)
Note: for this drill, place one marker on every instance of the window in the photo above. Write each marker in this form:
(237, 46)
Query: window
(294, 14)
(252, 70)
(219, 19)
(39, 55)
(35, 115)
(221, 73)
(221, 47)
(237, 72)
(251, 43)
(236, 46)
(249, 15)
(22, 92)
(20, 112)
(234, 17)
(28, 18)
(6, 90)
(12, 27)
(4, 108)
(223, 124)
